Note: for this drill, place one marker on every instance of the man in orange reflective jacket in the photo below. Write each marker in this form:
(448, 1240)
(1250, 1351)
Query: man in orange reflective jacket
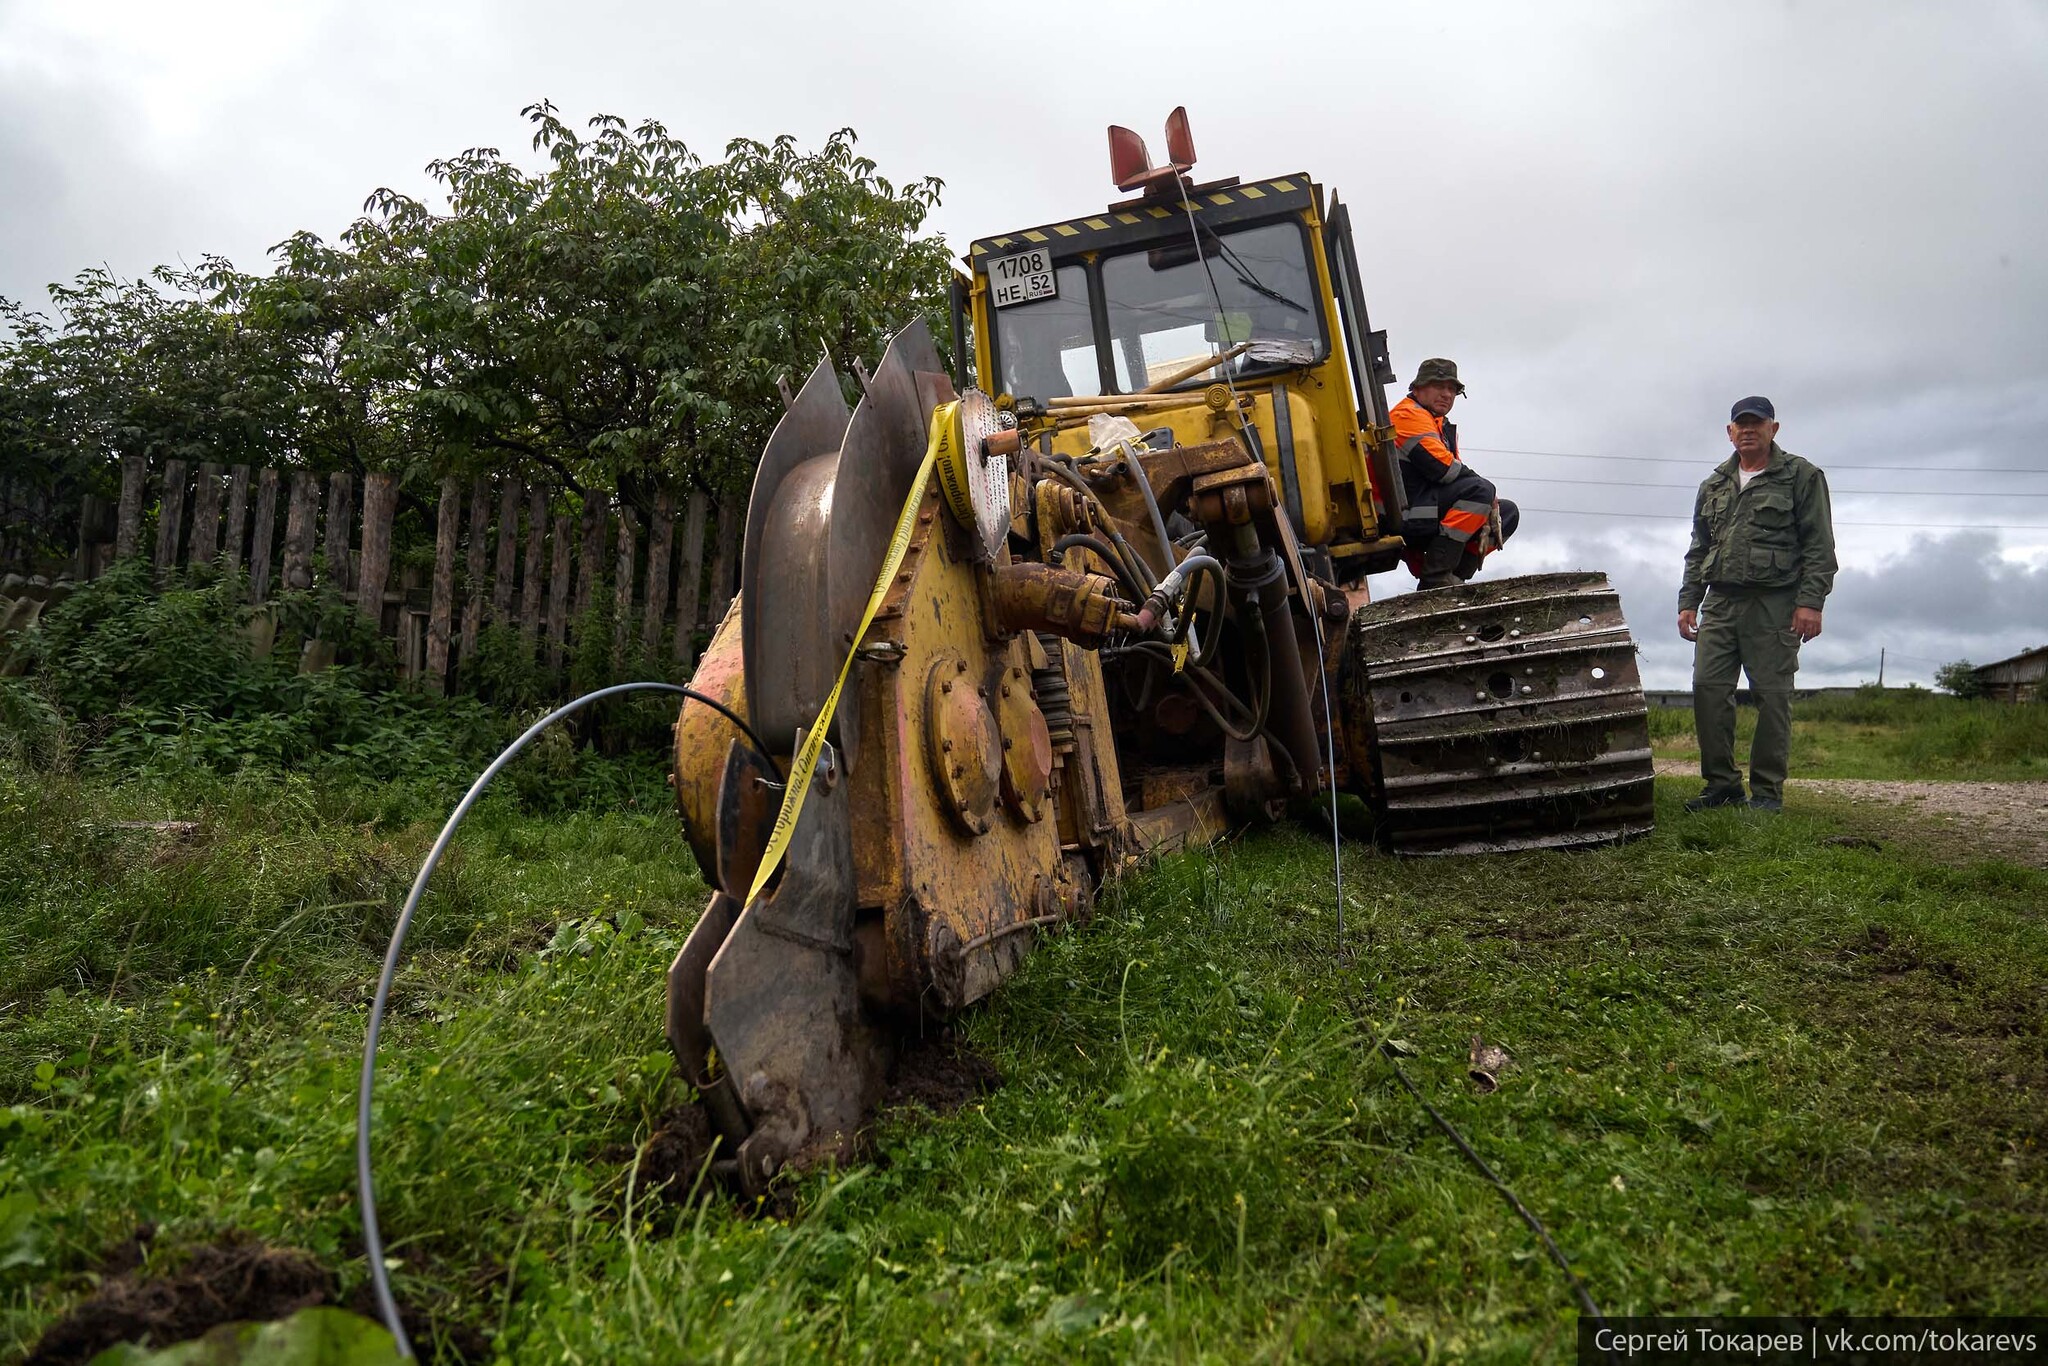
(1450, 525)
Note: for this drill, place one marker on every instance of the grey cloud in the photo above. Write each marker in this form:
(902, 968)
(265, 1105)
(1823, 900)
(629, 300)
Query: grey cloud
(1946, 599)
(1931, 600)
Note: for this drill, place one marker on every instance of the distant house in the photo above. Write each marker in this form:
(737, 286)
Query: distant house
(2017, 679)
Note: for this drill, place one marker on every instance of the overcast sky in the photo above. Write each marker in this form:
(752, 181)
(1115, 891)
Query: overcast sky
(1617, 218)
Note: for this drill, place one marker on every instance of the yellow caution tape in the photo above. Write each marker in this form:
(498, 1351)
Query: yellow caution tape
(945, 432)
(949, 453)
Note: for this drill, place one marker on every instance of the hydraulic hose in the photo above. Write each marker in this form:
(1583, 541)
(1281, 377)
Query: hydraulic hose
(1101, 549)
(1133, 561)
(1144, 484)
(1214, 642)
(1242, 734)
(1181, 584)
(1198, 684)
(366, 1191)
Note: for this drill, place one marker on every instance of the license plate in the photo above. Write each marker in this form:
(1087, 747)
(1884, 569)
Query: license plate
(1021, 277)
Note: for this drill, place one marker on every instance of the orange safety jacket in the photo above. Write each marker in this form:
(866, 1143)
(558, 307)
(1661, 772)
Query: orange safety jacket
(1428, 448)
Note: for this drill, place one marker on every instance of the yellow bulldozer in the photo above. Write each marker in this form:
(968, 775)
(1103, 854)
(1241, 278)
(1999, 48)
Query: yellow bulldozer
(1100, 597)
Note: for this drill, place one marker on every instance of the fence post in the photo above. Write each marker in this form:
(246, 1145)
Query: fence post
(95, 517)
(301, 521)
(128, 523)
(660, 537)
(380, 503)
(264, 533)
(82, 560)
(726, 568)
(238, 516)
(622, 584)
(590, 560)
(508, 546)
(536, 543)
(205, 515)
(441, 607)
(558, 589)
(412, 628)
(170, 516)
(341, 499)
(473, 565)
(690, 580)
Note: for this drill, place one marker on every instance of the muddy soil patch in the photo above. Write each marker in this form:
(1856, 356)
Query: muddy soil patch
(940, 1073)
(233, 1281)
(671, 1161)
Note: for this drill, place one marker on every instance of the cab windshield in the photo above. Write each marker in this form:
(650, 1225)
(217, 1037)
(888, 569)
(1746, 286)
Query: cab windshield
(1163, 314)
(1160, 314)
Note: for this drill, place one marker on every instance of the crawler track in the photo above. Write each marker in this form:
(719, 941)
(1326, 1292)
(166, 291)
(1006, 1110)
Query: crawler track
(1501, 716)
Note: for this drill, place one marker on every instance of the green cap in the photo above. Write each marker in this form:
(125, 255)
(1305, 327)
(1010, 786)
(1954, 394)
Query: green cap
(1437, 370)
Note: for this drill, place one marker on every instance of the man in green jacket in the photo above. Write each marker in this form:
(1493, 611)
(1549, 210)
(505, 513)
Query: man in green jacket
(1759, 569)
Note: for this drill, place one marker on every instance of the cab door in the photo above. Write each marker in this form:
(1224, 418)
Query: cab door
(1371, 369)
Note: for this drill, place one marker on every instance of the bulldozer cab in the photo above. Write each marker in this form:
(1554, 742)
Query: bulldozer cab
(1129, 300)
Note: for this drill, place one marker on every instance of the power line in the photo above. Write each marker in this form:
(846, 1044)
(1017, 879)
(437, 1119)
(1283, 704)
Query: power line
(1859, 493)
(1690, 460)
(1900, 526)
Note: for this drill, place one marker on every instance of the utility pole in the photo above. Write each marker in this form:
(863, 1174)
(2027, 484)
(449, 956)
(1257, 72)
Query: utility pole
(1880, 666)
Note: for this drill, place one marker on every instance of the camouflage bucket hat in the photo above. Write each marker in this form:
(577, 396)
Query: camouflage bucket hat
(1437, 370)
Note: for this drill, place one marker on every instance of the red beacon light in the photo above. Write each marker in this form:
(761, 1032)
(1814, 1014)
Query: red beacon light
(1130, 165)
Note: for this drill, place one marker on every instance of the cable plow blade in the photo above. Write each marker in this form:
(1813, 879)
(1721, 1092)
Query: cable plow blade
(764, 998)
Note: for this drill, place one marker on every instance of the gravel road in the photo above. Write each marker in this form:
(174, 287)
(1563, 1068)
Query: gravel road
(2009, 820)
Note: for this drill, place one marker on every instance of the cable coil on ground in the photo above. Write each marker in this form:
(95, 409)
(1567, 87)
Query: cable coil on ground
(366, 1193)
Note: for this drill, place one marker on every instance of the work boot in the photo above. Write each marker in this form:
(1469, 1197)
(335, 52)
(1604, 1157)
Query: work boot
(1770, 804)
(1440, 563)
(1717, 796)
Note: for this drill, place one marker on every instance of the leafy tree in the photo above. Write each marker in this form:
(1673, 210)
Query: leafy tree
(1960, 678)
(565, 310)
(155, 367)
(614, 322)
(37, 466)
(826, 253)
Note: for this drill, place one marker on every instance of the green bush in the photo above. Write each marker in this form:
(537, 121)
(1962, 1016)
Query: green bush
(1669, 722)
(173, 687)
(32, 730)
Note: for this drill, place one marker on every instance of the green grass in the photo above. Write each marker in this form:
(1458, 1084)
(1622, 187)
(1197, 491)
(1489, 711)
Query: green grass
(1756, 1073)
(1895, 735)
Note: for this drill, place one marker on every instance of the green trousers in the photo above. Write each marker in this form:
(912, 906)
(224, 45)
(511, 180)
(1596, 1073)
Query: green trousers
(1745, 629)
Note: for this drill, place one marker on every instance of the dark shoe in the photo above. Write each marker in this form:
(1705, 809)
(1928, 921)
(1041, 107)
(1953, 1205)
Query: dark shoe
(1771, 804)
(1440, 563)
(1716, 796)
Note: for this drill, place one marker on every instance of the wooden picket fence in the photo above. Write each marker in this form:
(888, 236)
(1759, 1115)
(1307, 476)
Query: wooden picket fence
(524, 565)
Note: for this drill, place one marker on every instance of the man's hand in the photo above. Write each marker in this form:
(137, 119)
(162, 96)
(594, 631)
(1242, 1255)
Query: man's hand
(1805, 622)
(1689, 625)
